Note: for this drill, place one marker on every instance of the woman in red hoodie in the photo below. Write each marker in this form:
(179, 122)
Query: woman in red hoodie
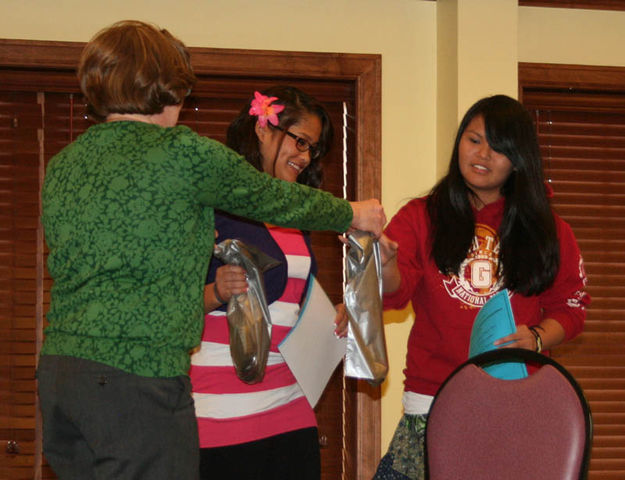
(487, 225)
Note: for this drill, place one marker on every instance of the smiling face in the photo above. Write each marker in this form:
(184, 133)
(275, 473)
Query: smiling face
(281, 158)
(484, 170)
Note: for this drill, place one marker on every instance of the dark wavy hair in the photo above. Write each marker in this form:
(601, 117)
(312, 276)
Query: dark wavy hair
(529, 251)
(134, 67)
(242, 137)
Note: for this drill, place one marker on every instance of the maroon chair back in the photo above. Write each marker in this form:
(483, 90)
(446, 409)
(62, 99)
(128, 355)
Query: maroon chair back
(481, 427)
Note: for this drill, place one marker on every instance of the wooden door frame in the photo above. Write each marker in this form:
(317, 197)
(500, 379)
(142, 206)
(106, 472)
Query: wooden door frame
(363, 423)
(551, 75)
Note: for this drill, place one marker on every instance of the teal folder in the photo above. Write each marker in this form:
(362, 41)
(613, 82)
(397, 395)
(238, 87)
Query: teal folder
(494, 321)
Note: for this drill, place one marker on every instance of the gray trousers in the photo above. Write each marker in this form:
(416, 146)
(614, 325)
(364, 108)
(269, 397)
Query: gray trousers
(100, 423)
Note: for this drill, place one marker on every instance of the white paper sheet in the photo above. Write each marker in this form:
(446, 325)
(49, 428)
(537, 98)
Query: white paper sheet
(311, 350)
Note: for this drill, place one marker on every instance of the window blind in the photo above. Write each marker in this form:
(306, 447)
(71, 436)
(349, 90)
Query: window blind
(20, 127)
(37, 123)
(582, 138)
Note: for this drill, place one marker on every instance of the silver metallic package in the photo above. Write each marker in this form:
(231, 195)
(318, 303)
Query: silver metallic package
(366, 356)
(248, 315)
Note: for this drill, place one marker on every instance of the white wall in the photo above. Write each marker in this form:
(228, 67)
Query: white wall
(574, 36)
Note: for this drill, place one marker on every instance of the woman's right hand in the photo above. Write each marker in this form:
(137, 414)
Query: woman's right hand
(368, 216)
(229, 280)
(391, 277)
(388, 249)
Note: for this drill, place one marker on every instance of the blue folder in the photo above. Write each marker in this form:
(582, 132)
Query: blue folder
(494, 321)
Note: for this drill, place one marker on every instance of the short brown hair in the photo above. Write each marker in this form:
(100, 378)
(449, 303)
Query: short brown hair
(134, 67)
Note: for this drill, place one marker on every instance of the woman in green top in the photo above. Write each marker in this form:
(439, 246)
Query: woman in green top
(128, 216)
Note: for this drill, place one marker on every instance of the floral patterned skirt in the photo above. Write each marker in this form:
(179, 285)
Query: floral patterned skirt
(405, 457)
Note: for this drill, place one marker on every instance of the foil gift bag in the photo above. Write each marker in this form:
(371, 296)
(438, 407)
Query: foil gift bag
(366, 356)
(249, 321)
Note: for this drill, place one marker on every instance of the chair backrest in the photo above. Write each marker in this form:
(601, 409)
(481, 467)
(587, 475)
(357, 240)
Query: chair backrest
(481, 427)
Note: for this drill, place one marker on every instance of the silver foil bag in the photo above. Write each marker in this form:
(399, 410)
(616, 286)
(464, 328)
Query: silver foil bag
(249, 321)
(366, 356)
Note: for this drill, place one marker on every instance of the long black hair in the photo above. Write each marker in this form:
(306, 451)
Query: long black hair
(529, 255)
(242, 137)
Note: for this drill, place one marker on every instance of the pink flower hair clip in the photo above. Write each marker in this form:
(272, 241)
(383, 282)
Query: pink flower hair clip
(264, 110)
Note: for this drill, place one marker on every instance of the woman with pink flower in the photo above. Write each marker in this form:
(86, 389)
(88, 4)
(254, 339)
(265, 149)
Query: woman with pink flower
(266, 430)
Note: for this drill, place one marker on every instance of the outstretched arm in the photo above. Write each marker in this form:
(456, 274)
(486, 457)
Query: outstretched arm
(368, 216)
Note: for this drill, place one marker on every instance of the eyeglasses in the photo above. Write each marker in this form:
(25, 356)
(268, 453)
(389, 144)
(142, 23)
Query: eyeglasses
(301, 144)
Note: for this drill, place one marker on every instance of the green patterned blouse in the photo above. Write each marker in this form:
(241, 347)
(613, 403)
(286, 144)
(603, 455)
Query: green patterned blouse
(128, 219)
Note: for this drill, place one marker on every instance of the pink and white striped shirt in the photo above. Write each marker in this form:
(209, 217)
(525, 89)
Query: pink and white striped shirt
(230, 411)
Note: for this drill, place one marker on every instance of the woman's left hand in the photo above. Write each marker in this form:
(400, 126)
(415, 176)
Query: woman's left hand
(340, 321)
(522, 338)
